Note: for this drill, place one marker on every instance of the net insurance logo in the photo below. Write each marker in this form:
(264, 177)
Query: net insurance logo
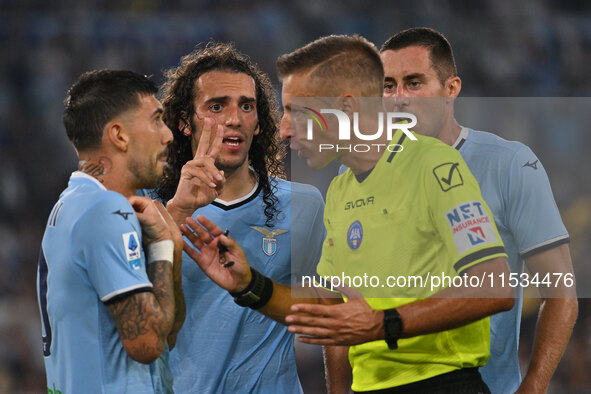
(395, 121)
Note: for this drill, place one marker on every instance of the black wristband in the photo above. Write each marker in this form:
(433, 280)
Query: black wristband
(392, 328)
(257, 293)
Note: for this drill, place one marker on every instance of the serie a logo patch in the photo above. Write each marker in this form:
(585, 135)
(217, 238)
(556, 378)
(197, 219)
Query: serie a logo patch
(355, 235)
(132, 250)
(471, 226)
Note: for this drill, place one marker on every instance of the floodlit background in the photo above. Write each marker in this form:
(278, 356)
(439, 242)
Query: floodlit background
(502, 48)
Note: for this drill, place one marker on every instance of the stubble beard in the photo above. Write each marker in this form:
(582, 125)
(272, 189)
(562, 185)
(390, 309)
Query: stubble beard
(146, 173)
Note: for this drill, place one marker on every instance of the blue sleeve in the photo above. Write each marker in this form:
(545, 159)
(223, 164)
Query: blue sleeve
(108, 245)
(309, 234)
(532, 214)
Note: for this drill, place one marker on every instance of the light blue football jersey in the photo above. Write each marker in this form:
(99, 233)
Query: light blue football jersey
(91, 253)
(223, 347)
(515, 186)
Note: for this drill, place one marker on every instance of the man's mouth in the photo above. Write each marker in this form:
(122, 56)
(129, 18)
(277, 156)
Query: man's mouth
(232, 141)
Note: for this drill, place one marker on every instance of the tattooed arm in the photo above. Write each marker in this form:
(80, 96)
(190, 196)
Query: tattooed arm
(145, 319)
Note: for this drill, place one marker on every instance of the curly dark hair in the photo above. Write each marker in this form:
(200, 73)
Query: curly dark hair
(178, 92)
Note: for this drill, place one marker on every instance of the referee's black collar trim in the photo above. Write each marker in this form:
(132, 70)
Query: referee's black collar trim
(463, 262)
(544, 247)
(398, 143)
(241, 203)
(363, 176)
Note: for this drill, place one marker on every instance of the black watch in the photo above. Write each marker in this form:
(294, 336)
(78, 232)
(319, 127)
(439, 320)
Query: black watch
(257, 293)
(392, 327)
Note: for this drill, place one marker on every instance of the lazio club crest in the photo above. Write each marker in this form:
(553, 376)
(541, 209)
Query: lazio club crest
(269, 241)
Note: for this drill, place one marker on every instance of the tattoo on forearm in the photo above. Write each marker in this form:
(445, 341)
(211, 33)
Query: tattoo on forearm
(141, 313)
(132, 315)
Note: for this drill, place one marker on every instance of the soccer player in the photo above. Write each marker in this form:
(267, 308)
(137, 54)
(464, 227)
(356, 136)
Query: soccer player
(108, 309)
(234, 178)
(419, 62)
(413, 226)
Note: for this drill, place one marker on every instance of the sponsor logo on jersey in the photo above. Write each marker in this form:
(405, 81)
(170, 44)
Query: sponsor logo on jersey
(448, 176)
(355, 235)
(533, 165)
(124, 215)
(359, 203)
(132, 250)
(471, 226)
(269, 241)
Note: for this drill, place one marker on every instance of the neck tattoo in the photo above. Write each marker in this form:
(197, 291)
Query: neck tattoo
(96, 168)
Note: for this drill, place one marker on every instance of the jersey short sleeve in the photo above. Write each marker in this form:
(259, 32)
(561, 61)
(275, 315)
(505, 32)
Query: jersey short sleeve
(107, 245)
(459, 213)
(531, 212)
(308, 229)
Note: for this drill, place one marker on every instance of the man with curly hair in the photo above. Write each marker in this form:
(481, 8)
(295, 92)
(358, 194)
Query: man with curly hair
(226, 164)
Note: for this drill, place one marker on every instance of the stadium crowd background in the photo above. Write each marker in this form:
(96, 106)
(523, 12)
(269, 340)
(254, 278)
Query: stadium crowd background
(502, 48)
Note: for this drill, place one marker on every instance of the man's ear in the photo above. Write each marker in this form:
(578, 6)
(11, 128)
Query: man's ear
(116, 134)
(453, 85)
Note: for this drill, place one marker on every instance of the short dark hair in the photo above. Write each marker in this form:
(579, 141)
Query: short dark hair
(96, 98)
(440, 52)
(178, 94)
(348, 58)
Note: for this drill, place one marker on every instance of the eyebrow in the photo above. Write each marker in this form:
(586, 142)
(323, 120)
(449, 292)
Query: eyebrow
(406, 77)
(413, 76)
(223, 99)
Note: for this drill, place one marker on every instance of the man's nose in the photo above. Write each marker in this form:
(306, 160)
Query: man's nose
(285, 128)
(401, 97)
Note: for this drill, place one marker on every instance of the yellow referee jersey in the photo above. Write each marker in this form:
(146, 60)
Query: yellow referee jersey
(418, 214)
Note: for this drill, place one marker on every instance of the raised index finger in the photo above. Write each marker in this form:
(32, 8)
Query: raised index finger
(203, 145)
(216, 145)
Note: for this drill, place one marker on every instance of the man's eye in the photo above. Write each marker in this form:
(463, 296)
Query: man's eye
(415, 84)
(216, 107)
(388, 86)
(247, 107)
